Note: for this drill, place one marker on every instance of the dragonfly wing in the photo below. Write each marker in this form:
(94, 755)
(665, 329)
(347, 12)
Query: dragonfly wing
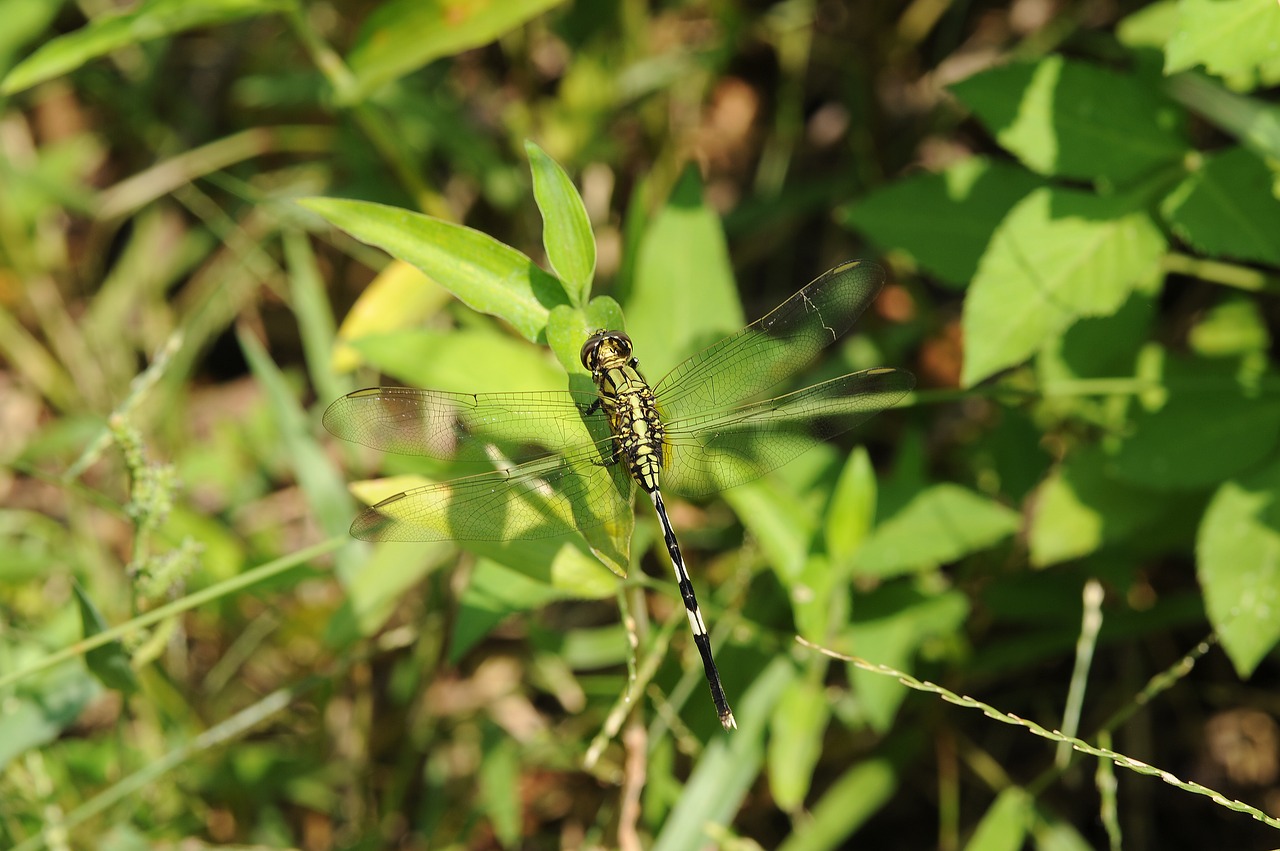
(544, 498)
(714, 451)
(408, 421)
(749, 362)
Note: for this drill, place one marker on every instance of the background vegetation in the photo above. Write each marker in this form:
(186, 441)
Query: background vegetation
(1074, 519)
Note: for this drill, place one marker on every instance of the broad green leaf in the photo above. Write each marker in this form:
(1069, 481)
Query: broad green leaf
(795, 742)
(1228, 207)
(1230, 328)
(853, 506)
(399, 297)
(944, 221)
(941, 524)
(110, 662)
(1099, 346)
(889, 626)
(845, 806)
(485, 274)
(1238, 564)
(403, 35)
(1238, 40)
(1005, 824)
(779, 521)
(1080, 509)
(1072, 119)
(478, 361)
(498, 785)
(1059, 255)
(566, 230)
(1217, 418)
(151, 20)
(684, 297)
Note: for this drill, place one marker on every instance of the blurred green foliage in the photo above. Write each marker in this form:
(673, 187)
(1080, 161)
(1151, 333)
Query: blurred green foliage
(1079, 207)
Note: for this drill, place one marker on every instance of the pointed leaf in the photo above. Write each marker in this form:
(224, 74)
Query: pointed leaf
(109, 662)
(566, 230)
(485, 274)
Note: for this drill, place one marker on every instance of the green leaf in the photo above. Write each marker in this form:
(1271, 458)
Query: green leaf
(498, 785)
(1238, 40)
(566, 230)
(684, 297)
(853, 506)
(1216, 419)
(399, 297)
(480, 361)
(1231, 328)
(1005, 824)
(1228, 208)
(847, 804)
(795, 742)
(109, 662)
(1149, 26)
(485, 274)
(1080, 508)
(1238, 564)
(24, 21)
(944, 221)
(941, 524)
(404, 35)
(1073, 119)
(890, 625)
(152, 20)
(1059, 255)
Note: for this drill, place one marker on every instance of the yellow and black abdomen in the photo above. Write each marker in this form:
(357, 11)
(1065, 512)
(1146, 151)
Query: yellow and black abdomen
(633, 418)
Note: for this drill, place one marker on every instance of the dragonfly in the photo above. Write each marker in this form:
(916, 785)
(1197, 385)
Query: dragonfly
(557, 457)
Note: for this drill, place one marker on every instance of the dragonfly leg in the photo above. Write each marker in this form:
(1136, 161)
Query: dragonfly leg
(699, 627)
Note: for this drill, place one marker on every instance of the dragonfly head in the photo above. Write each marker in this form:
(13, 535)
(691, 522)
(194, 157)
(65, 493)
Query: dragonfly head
(606, 350)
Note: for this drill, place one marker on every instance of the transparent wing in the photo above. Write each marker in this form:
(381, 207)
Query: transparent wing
(714, 451)
(749, 362)
(547, 497)
(442, 425)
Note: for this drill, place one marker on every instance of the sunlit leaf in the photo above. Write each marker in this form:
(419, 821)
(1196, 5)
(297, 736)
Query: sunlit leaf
(566, 230)
(485, 274)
